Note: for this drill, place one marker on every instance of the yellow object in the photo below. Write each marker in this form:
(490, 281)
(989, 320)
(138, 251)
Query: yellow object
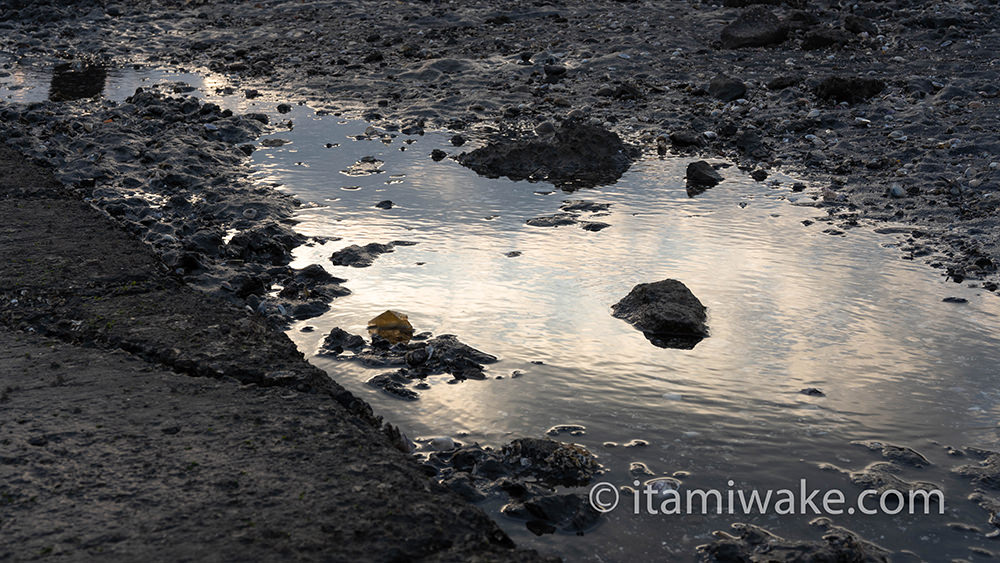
(392, 326)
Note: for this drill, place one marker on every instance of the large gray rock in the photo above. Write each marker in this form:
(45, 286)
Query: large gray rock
(666, 312)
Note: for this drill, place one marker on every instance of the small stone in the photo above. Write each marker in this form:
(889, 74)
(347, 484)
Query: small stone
(384, 204)
(896, 190)
(955, 300)
(813, 392)
(438, 155)
(284, 108)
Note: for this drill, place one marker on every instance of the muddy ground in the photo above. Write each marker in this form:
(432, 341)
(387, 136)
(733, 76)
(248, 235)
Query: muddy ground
(110, 450)
(915, 144)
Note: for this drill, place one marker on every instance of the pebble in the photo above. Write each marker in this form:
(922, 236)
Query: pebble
(896, 190)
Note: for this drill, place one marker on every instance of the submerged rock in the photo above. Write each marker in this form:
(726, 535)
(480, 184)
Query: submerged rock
(666, 312)
(415, 357)
(753, 543)
(575, 154)
(392, 326)
(364, 256)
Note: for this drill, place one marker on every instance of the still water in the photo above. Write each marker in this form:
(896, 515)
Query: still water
(790, 308)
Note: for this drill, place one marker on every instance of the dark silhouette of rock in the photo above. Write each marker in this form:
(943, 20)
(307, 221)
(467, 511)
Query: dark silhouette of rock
(702, 174)
(576, 154)
(666, 312)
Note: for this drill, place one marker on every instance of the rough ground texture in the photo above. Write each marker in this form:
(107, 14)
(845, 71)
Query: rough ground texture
(111, 450)
(923, 117)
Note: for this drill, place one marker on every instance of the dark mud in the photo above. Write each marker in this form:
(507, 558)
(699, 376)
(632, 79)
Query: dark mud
(113, 451)
(919, 151)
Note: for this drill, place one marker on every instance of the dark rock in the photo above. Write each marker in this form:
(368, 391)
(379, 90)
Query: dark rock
(685, 139)
(985, 473)
(753, 543)
(701, 173)
(360, 256)
(813, 392)
(550, 462)
(576, 154)
(848, 89)
(571, 513)
(384, 204)
(557, 220)
(726, 89)
(894, 453)
(339, 340)
(438, 155)
(759, 175)
(458, 140)
(583, 205)
(756, 26)
(594, 226)
(666, 312)
(284, 108)
(955, 300)
(390, 383)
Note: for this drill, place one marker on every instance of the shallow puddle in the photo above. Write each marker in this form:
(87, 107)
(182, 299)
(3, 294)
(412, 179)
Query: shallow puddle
(790, 308)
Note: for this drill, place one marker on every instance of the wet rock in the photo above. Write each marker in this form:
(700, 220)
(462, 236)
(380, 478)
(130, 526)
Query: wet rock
(848, 89)
(985, 473)
(954, 300)
(726, 89)
(339, 340)
(813, 392)
(666, 312)
(384, 204)
(753, 543)
(583, 205)
(366, 166)
(702, 174)
(362, 256)
(892, 452)
(457, 140)
(684, 139)
(594, 226)
(438, 155)
(557, 220)
(756, 26)
(269, 242)
(546, 513)
(550, 462)
(576, 154)
(394, 385)
(759, 175)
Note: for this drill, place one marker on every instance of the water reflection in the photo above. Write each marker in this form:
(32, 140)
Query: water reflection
(790, 308)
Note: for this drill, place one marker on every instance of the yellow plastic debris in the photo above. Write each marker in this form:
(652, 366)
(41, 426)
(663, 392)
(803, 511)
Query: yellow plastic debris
(392, 326)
